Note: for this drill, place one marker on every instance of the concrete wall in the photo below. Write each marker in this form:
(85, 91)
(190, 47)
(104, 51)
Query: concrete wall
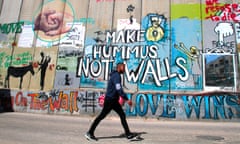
(182, 56)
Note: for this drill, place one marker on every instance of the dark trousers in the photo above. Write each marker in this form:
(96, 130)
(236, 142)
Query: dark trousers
(108, 106)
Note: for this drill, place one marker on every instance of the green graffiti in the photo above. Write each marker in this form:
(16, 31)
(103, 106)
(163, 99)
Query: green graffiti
(2, 55)
(22, 58)
(18, 59)
(11, 27)
(7, 61)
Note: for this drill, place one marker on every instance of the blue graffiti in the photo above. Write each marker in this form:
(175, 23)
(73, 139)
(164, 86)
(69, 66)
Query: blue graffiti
(167, 106)
(190, 104)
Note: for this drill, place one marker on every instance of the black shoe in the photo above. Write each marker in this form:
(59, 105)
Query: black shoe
(131, 135)
(90, 137)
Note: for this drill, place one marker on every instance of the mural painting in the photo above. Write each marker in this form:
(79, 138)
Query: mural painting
(182, 59)
(182, 107)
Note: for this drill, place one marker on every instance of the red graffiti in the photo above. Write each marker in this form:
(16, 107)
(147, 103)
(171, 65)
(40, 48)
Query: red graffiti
(35, 64)
(20, 100)
(36, 103)
(51, 66)
(63, 101)
(222, 12)
(54, 104)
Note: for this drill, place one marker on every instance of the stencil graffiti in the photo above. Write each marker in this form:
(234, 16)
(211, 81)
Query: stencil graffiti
(43, 65)
(18, 72)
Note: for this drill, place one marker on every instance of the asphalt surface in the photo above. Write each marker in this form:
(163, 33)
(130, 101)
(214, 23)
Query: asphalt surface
(28, 128)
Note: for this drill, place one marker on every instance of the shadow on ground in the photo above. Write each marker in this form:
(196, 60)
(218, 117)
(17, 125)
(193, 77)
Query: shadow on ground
(139, 136)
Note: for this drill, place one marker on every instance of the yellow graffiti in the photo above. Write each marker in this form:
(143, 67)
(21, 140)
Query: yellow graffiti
(155, 32)
(64, 101)
(73, 102)
(192, 53)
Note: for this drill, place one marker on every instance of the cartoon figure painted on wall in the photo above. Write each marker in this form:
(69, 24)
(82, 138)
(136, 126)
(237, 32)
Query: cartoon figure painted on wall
(225, 42)
(53, 20)
(45, 60)
(194, 55)
(155, 31)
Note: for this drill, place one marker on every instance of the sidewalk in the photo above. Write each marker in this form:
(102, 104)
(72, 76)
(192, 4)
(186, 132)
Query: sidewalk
(26, 128)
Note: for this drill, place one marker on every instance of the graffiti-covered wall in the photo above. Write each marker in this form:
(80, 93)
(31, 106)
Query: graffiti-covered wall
(181, 56)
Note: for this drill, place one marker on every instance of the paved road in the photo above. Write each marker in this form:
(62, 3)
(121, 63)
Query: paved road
(26, 128)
